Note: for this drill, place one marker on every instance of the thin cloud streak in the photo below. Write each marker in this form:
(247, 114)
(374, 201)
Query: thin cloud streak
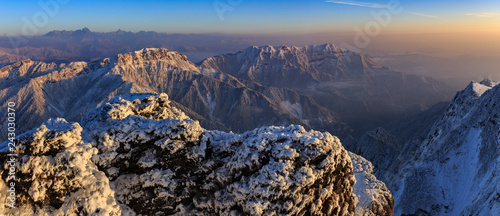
(483, 14)
(360, 4)
(424, 15)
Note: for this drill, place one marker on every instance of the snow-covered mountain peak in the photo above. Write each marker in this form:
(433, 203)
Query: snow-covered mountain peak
(153, 54)
(291, 66)
(323, 48)
(276, 51)
(465, 98)
(146, 105)
(488, 82)
(144, 59)
(479, 88)
(463, 102)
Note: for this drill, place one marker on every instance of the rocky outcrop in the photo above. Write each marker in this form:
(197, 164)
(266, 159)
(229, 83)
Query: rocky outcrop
(54, 175)
(374, 197)
(138, 155)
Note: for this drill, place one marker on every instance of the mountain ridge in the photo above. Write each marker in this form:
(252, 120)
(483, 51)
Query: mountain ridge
(452, 169)
(350, 83)
(70, 90)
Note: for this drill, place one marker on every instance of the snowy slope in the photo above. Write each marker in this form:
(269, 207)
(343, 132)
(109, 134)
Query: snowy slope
(138, 155)
(455, 171)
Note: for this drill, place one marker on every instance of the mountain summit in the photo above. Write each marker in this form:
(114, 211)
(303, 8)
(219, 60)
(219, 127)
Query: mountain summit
(293, 66)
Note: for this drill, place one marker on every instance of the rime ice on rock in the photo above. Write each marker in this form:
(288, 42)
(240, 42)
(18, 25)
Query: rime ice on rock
(373, 196)
(55, 174)
(149, 158)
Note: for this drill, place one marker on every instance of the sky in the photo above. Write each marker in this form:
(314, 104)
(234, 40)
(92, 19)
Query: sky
(455, 29)
(31, 17)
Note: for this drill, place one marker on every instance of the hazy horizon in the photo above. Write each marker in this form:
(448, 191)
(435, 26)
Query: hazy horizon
(452, 39)
(441, 28)
(251, 17)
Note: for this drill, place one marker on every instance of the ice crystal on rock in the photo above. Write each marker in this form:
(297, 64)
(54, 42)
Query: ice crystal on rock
(137, 155)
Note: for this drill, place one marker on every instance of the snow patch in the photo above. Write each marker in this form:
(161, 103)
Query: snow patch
(373, 196)
(294, 109)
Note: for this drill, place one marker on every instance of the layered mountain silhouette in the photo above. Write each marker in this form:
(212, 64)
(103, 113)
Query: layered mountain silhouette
(355, 93)
(364, 93)
(219, 101)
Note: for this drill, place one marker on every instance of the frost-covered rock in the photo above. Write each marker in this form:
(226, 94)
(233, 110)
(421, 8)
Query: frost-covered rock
(277, 170)
(170, 165)
(55, 174)
(373, 196)
(139, 155)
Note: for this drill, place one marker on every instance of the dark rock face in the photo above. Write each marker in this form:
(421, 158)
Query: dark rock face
(379, 147)
(139, 155)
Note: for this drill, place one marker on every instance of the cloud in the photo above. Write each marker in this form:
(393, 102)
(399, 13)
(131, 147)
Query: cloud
(483, 14)
(360, 4)
(424, 15)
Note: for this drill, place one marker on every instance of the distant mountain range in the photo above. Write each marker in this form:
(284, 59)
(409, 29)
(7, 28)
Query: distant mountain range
(219, 101)
(304, 92)
(85, 45)
(364, 93)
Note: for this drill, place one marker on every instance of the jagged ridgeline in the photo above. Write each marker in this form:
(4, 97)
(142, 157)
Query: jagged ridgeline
(138, 155)
(320, 87)
(364, 93)
(450, 166)
(217, 100)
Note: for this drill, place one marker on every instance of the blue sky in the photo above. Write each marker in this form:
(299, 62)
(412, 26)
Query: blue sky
(245, 16)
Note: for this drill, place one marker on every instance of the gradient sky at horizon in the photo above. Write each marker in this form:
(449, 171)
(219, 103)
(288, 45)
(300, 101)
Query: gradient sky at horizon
(248, 17)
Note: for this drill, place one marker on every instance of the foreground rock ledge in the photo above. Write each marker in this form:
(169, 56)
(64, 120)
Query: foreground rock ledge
(137, 155)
